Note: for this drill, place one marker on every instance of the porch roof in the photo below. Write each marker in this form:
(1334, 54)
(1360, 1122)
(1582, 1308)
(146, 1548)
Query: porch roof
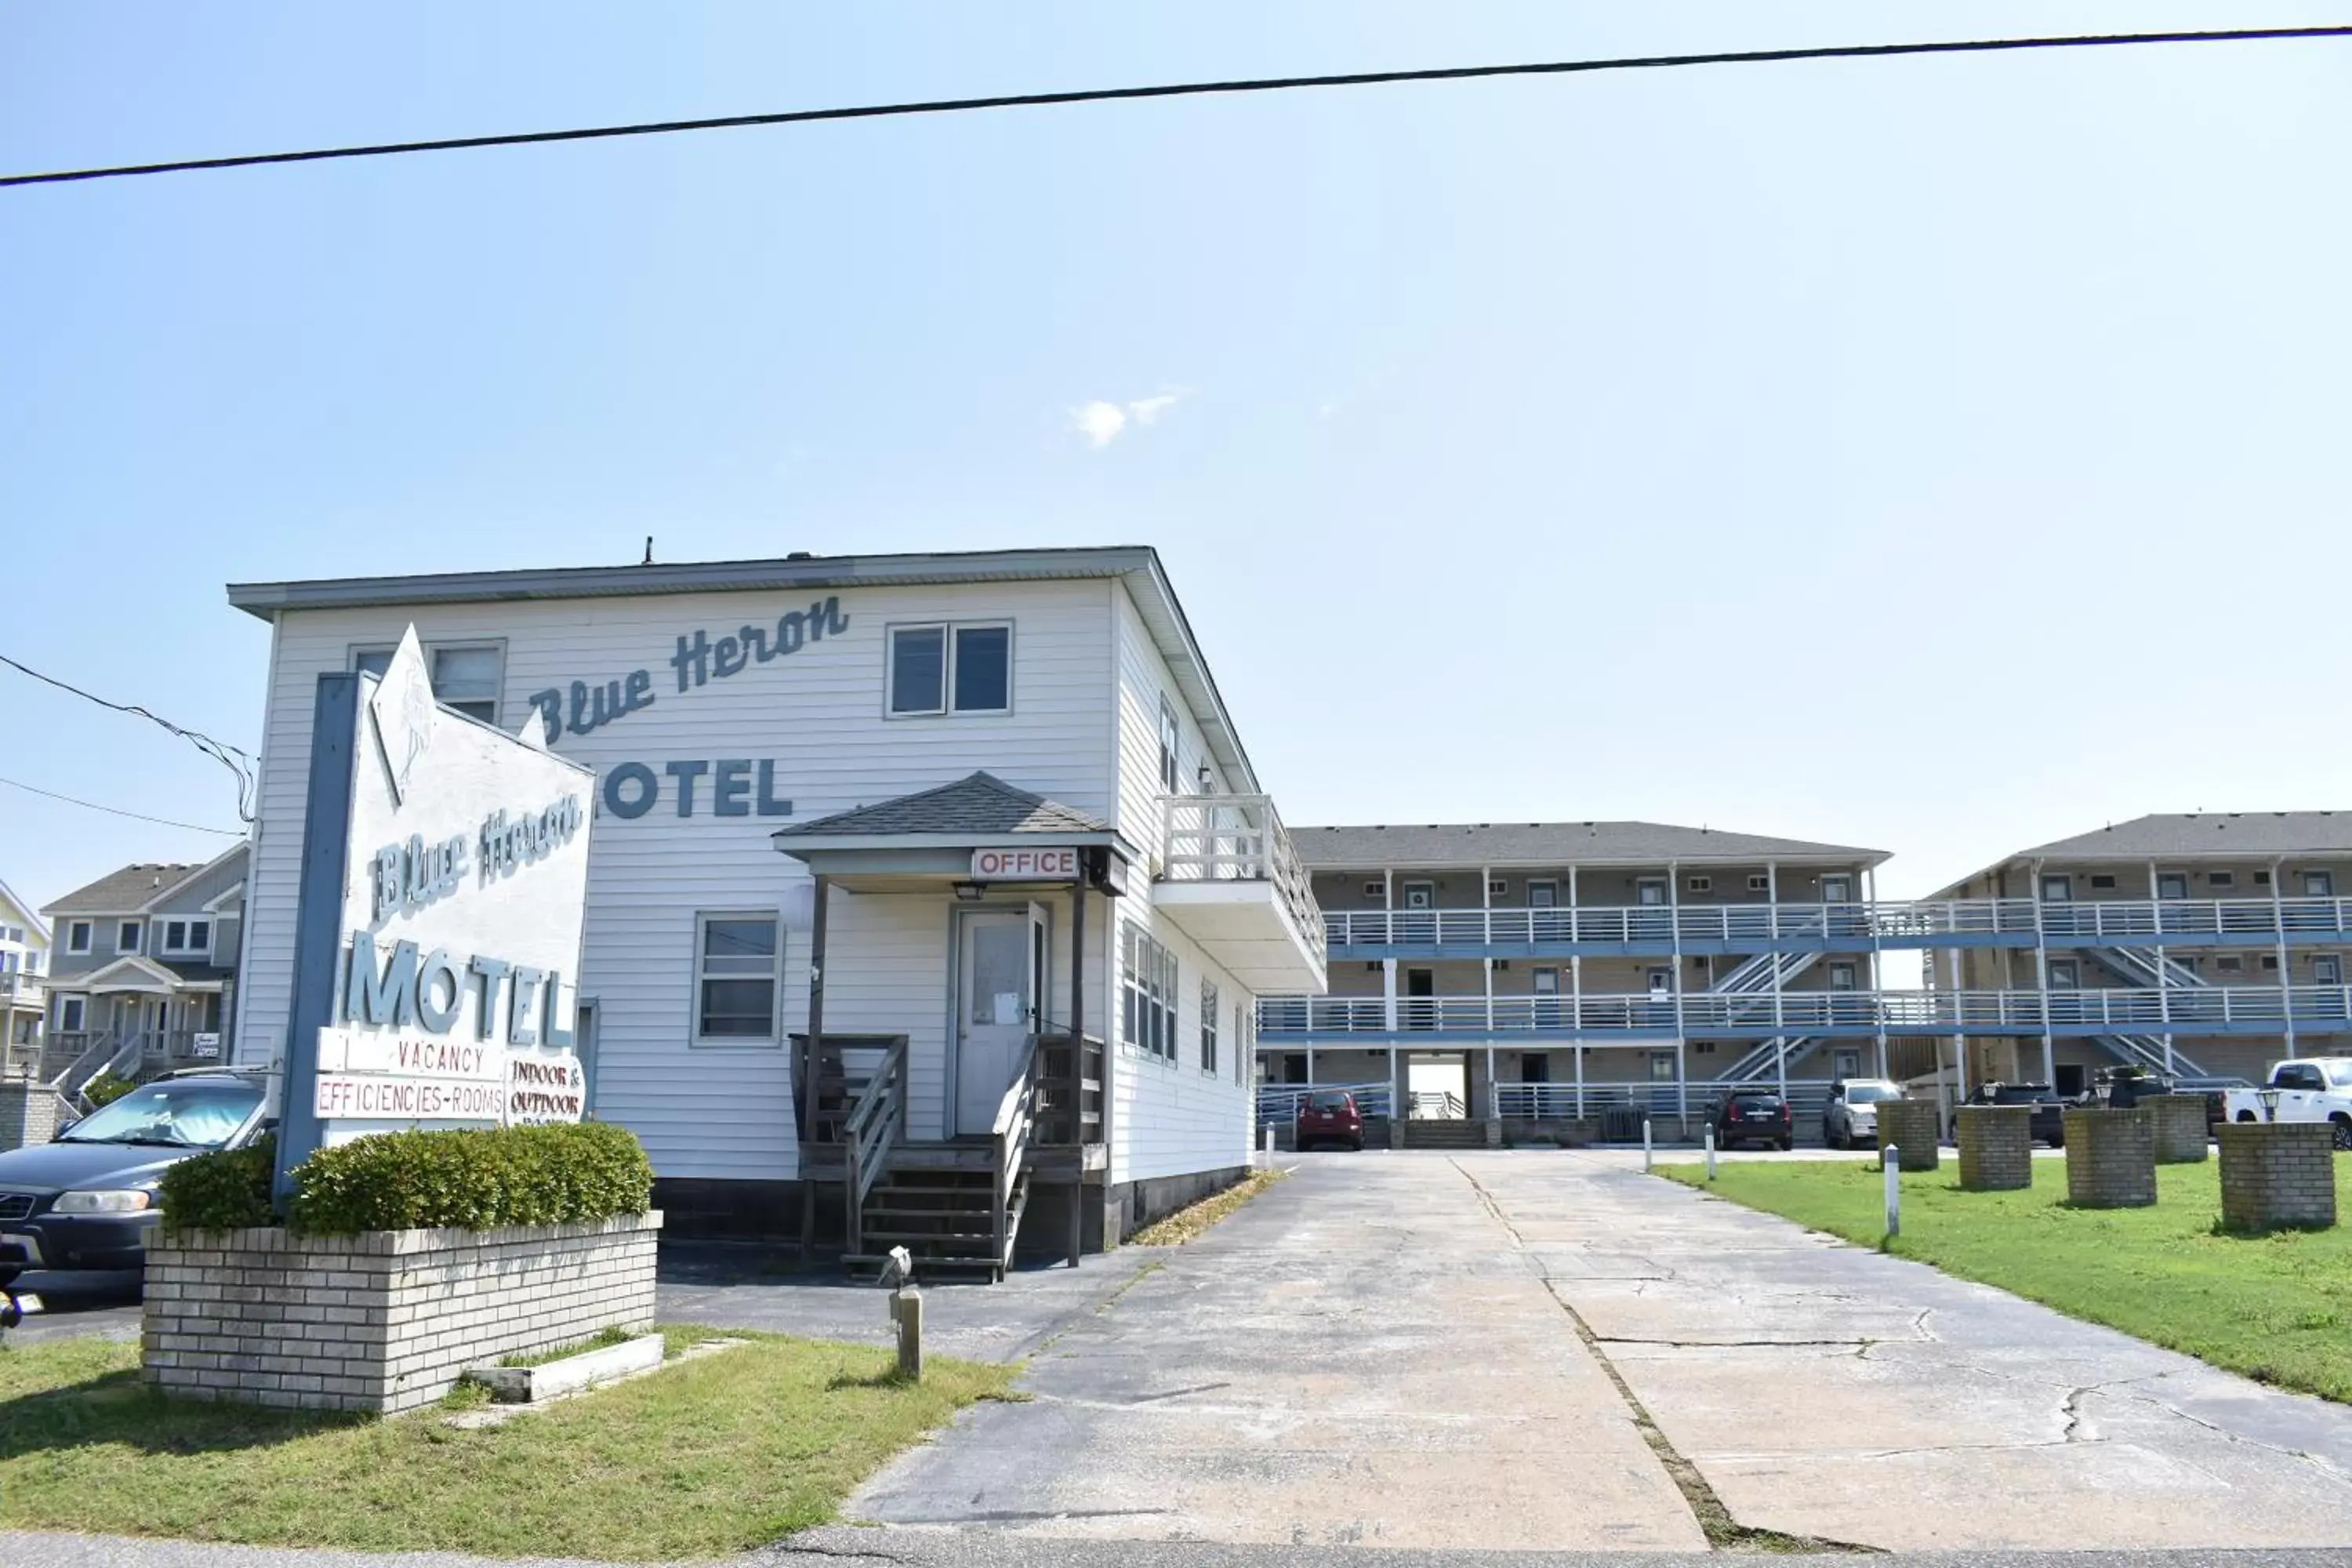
(976, 811)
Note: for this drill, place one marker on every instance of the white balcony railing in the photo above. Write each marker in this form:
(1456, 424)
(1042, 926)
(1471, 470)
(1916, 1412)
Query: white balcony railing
(2254, 918)
(1237, 839)
(2126, 1010)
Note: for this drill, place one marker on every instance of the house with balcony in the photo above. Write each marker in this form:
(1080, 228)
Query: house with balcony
(1577, 971)
(930, 897)
(143, 970)
(2199, 944)
(24, 967)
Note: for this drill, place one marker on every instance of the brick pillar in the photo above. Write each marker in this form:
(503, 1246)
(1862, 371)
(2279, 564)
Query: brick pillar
(2110, 1159)
(2183, 1136)
(29, 1114)
(1910, 1126)
(1996, 1147)
(2277, 1174)
(1493, 1126)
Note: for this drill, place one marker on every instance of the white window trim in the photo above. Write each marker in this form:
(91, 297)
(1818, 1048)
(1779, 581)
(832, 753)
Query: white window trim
(947, 631)
(1499, 886)
(1171, 747)
(81, 1003)
(2220, 878)
(1132, 956)
(1376, 891)
(456, 645)
(186, 949)
(138, 930)
(1760, 884)
(89, 929)
(1212, 1027)
(775, 1035)
(1699, 884)
(1406, 889)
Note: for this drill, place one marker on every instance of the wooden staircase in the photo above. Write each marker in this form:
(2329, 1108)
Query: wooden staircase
(939, 1202)
(1448, 1133)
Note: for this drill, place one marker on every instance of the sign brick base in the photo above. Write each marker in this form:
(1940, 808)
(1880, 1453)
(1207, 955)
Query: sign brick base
(1996, 1148)
(2277, 1174)
(384, 1320)
(1910, 1126)
(2110, 1159)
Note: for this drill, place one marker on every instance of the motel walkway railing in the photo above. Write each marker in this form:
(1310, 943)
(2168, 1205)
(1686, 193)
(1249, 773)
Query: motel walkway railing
(1909, 923)
(1279, 1103)
(1702, 1013)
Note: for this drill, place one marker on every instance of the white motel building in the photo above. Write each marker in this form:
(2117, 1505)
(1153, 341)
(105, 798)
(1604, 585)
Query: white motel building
(929, 896)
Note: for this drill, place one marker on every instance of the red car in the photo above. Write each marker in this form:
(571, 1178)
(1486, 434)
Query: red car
(1330, 1116)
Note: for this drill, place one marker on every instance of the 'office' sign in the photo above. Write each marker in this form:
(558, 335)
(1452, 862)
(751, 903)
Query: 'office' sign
(1025, 865)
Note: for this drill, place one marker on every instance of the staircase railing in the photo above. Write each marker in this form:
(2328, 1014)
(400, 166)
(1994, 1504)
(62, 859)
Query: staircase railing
(874, 1124)
(1016, 1123)
(115, 1053)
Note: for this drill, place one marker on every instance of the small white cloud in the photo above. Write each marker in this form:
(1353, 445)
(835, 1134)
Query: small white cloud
(1102, 423)
(1098, 422)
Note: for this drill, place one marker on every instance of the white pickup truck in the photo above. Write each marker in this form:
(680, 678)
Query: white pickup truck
(2308, 1088)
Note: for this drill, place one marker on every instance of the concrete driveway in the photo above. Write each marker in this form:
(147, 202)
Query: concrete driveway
(1549, 1351)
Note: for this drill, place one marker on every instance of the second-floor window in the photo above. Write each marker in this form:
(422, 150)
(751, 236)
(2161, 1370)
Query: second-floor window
(2318, 884)
(126, 937)
(1171, 778)
(464, 676)
(77, 937)
(188, 936)
(950, 668)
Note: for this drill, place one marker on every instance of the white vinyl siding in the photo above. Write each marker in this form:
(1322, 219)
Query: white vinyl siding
(1169, 1122)
(1143, 679)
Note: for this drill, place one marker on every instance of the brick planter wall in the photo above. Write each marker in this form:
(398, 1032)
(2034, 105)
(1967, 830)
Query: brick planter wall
(2277, 1174)
(29, 1114)
(384, 1320)
(1996, 1147)
(2110, 1159)
(1910, 1126)
(2182, 1137)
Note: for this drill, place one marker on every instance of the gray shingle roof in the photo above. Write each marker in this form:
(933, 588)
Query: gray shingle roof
(1552, 844)
(122, 892)
(2232, 833)
(981, 805)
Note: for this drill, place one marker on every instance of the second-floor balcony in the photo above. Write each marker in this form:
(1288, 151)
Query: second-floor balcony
(1740, 927)
(1230, 879)
(1661, 1015)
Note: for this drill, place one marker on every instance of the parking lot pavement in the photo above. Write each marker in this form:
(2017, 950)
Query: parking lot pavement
(1829, 1391)
(78, 1305)
(749, 1287)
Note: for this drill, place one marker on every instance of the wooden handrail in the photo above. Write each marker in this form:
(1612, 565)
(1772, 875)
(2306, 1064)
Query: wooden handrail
(874, 1123)
(1016, 1120)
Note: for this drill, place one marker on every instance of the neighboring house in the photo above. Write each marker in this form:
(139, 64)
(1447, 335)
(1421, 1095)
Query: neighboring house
(143, 968)
(2210, 942)
(1567, 969)
(993, 800)
(24, 962)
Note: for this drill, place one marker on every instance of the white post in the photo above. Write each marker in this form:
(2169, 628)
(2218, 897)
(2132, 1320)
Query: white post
(1388, 965)
(2285, 963)
(2042, 980)
(1877, 987)
(1960, 1040)
(1890, 1159)
(1645, 1144)
(1710, 1154)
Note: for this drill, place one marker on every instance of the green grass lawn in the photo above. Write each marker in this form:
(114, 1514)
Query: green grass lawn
(2278, 1308)
(704, 1458)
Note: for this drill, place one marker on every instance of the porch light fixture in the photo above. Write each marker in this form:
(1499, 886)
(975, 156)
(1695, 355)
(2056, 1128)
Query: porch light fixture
(1203, 776)
(970, 892)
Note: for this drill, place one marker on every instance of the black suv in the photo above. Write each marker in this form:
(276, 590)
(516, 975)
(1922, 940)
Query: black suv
(1754, 1116)
(2048, 1106)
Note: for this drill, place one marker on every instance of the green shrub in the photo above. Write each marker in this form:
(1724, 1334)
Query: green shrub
(473, 1180)
(227, 1189)
(106, 1089)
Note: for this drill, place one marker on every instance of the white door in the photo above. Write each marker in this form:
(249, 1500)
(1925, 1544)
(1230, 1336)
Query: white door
(995, 1014)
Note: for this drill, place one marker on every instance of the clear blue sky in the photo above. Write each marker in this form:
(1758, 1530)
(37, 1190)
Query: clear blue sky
(1940, 455)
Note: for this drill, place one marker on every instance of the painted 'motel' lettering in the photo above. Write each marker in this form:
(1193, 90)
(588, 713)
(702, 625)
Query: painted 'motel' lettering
(631, 789)
(408, 992)
(585, 708)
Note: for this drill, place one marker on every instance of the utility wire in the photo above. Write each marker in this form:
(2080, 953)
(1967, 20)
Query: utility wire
(1186, 89)
(237, 761)
(117, 811)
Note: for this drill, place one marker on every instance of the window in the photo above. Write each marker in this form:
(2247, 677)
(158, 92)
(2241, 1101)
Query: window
(465, 676)
(1542, 895)
(983, 669)
(188, 936)
(1420, 895)
(2318, 885)
(1171, 779)
(70, 1014)
(1377, 891)
(1837, 889)
(736, 965)
(937, 670)
(77, 937)
(2270, 961)
(2230, 964)
(2172, 884)
(126, 937)
(1148, 994)
(1760, 884)
(1700, 885)
(918, 671)
(2262, 879)
(2057, 889)
(1499, 886)
(1841, 976)
(2326, 969)
(2064, 975)
(1650, 890)
(2221, 879)
(1208, 1019)
(2101, 879)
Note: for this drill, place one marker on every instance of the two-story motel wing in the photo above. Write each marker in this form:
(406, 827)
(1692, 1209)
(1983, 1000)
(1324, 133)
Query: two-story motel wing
(931, 889)
(1581, 972)
(1575, 967)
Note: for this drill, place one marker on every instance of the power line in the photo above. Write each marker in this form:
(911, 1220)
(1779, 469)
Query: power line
(118, 811)
(1186, 89)
(238, 761)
